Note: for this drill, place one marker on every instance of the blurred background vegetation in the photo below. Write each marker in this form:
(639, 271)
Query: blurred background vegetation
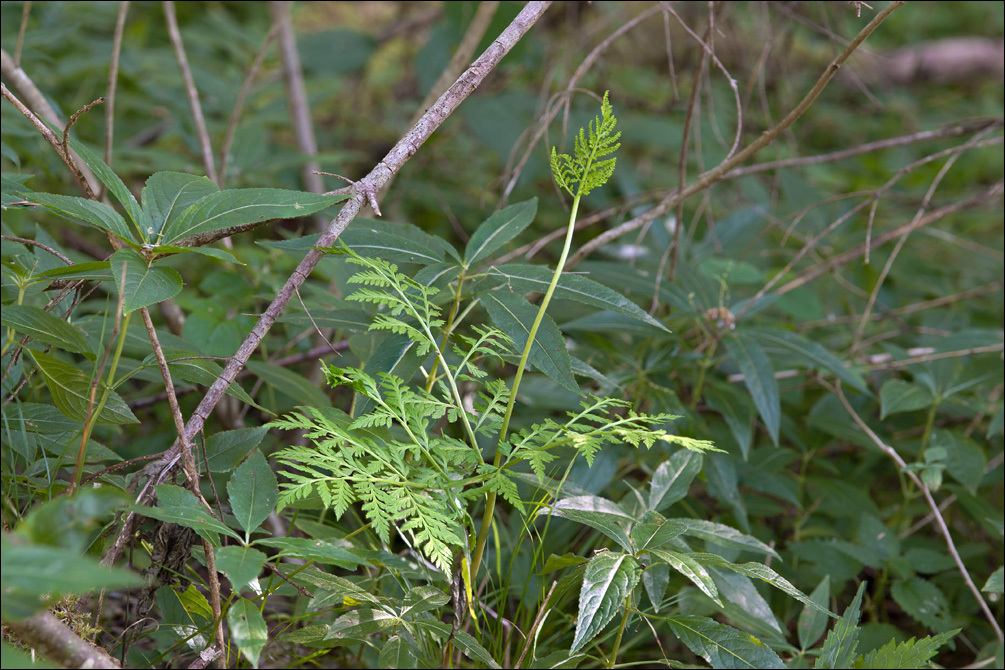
(817, 489)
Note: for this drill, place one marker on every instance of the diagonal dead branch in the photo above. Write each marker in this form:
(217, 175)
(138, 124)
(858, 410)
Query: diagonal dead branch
(392, 163)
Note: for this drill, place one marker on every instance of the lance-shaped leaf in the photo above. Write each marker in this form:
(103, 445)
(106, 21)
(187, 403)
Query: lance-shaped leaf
(723, 646)
(180, 506)
(115, 186)
(724, 535)
(142, 285)
(595, 512)
(248, 629)
(253, 492)
(812, 353)
(673, 478)
(512, 314)
(499, 229)
(395, 242)
(44, 327)
(97, 214)
(692, 569)
(536, 278)
(168, 194)
(235, 207)
(70, 388)
(609, 579)
(759, 376)
(839, 647)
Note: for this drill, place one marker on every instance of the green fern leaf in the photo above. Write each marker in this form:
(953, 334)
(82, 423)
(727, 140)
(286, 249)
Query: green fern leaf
(589, 167)
(910, 654)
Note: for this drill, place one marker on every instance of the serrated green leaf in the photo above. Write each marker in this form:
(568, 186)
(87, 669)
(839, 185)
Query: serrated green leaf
(691, 569)
(242, 565)
(176, 505)
(361, 623)
(224, 450)
(922, 600)
(168, 194)
(655, 579)
(298, 387)
(247, 629)
(498, 229)
(900, 396)
(396, 653)
(723, 646)
(996, 582)
(913, 654)
(750, 606)
(654, 531)
(195, 603)
(94, 270)
(609, 579)
(253, 492)
(235, 207)
(764, 573)
(144, 285)
(812, 621)
(97, 214)
(597, 513)
(44, 327)
(759, 377)
(70, 388)
(536, 278)
(839, 647)
(672, 479)
(512, 314)
(330, 552)
(726, 536)
(473, 649)
(112, 181)
(816, 355)
(219, 254)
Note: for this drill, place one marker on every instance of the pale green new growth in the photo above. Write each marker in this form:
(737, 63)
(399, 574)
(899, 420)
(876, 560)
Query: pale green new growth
(589, 166)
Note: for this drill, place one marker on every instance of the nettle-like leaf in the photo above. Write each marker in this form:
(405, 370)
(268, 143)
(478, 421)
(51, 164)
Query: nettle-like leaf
(588, 168)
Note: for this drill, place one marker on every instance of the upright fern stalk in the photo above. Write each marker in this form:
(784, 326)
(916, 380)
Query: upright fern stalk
(590, 166)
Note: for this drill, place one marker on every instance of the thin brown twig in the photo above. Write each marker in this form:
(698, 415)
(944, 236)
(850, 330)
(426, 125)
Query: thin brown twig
(113, 83)
(25, 13)
(296, 99)
(892, 453)
(396, 158)
(830, 264)
(73, 119)
(171, 20)
(33, 243)
(51, 138)
(235, 115)
(767, 137)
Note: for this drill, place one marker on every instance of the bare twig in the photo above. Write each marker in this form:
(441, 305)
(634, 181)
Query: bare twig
(57, 642)
(767, 137)
(113, 81)
(892, 453)
(43, 247)
(171, 20)
(75, 168)
(235, 115)
(25, 13)
(296, 99)
(823, 268)
(392, 162)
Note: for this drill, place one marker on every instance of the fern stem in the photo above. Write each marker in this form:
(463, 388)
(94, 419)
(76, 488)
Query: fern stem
(490, 501)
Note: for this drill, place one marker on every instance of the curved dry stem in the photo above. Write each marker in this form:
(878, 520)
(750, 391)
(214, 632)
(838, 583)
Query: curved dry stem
(892, 453)
(406, 147)
(171, 21)
(235, 115)
(296, 98)
(717, 173)
(113, 81)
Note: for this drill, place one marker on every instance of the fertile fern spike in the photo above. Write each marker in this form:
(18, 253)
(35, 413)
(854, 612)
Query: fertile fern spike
(589, 168)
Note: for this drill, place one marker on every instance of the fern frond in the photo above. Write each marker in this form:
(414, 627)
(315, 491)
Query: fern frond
(589, 167)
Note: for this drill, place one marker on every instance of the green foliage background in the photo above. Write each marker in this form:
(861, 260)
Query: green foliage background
(749, 368)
